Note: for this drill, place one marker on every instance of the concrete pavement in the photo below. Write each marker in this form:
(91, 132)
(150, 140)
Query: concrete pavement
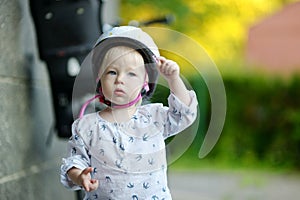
(209, 185)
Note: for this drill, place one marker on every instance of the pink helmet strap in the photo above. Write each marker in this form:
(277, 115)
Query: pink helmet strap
(81, 113)
(102, 100)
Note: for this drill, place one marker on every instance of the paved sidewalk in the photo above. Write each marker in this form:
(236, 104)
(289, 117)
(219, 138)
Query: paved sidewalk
(234, 186)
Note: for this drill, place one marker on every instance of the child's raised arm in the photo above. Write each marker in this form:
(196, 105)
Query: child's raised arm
(171, 72)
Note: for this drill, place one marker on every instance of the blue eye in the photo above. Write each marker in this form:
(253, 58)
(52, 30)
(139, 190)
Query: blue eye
(112, 72)
(131, 74)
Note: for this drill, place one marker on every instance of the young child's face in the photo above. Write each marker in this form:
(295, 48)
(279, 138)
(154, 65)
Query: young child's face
(123, 76)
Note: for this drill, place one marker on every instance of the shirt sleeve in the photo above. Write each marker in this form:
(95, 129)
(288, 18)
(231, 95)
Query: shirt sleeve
(77, 156)
(179, 115)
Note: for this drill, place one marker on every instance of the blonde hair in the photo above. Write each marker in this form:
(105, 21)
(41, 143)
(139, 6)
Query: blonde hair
(117, 52)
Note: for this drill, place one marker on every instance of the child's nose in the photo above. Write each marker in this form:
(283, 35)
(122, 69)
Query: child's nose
(120, 79)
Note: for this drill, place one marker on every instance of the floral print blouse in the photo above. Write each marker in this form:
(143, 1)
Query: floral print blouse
(128, 158)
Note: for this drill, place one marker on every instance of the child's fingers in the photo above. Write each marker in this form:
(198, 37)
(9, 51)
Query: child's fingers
(90, 185)
(94, 181)
(86, 185)
(87, 170)
(169, 67)
(95, 184)
(166, 69)
(161, 59)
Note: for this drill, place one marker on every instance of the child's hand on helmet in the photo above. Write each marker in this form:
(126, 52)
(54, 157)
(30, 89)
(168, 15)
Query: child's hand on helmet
(171, 72)
(168, 68)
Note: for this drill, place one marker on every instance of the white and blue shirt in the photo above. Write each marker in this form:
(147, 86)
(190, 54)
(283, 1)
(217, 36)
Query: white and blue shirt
(129, 157)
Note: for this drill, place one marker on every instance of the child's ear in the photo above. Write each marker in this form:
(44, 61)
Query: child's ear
(145, 88)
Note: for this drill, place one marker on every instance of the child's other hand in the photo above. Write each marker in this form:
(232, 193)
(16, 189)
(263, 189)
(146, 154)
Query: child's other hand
(168, 68)
(86, 180)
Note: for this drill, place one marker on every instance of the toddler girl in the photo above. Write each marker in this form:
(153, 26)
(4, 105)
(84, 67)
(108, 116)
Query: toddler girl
(119, 152)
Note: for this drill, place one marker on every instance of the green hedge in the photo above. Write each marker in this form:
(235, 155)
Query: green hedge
(262, 127)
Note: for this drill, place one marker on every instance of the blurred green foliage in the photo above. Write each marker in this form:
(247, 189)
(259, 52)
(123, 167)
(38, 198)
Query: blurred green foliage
(262, 128)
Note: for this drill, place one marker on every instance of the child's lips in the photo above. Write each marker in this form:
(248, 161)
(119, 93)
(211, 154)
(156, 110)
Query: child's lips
(119, 92)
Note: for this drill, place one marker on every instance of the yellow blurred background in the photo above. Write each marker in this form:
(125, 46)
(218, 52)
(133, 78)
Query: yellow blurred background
(219, 26)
